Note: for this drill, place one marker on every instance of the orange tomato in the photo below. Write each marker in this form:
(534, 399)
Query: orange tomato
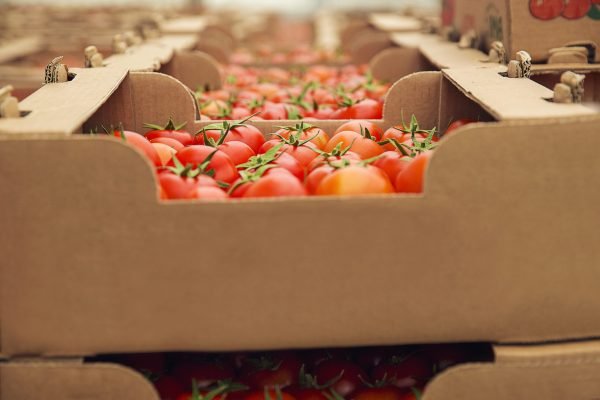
(355, 180)
(365, 148)
(410, 180)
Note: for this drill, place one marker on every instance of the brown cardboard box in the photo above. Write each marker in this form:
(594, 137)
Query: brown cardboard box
(508, 235)
(536, 26)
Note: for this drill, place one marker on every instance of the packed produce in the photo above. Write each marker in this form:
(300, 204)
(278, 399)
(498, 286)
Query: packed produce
(234, 159)
(314, 92)
(365, 373)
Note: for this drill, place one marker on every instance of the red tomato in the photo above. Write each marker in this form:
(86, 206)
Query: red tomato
(307, 394)
(392, 163)
(355, 180)
(277, 185)
(365, 148)
(410, 180)
(168, 388)
(141, 143)
(239, 152)
(361, 126)
(240, 113)
(314, 178)
(270, 395)
(165, 152)
(404, 372)
(304, 153)
(207, 193)
(458, 124)
(393, 133)
(273, 370)
(350, 375)
(317, 135)
(274, 112)
(224, 168)
(169, 131)
(174, 144)
(176, 187)
(367, 109)
(321, 160)
(290, 163)
(248, 134)
(379, 393)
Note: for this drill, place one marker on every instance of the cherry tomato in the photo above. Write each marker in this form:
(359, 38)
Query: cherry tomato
(410, 180)
(207, 193)
(248, 134)
(314, 178)
(204, 373)
(176, 187)
(318, 135)
(168, 388)
(367, 109)
(272, 370)
(365, 148)
(404, 372)
(270, 395)
(355, 180)
(307, 394)
(304, 153)
(174, 144)
(239, 152)
(224, 168)
(379, 393)
(393, 133)
(392, 163)
(182, 136)
(165, 152)
(277, 185)
(321, 160)
(361, 126)
(141, 143)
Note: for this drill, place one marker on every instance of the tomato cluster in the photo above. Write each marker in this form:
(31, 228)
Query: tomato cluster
(234, 160)
(366, 373)
(318, 92)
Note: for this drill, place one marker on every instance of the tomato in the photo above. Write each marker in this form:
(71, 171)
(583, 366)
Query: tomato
(165, 152)
(307, 394)
(314, 178)
(322, 159)
(282, 369)
(205, 373)
(316, 135)
(396, 134)
(277, 185)
(274, 112)
(370, 357)
(207, 193)
(361, 126)
(404, 371)
(355, 180)
(546, 9)
(174, 144)
(392, 163)
(215, 109)
(239, 152)
(224, 168)
(170, 131)
(240, 113)
(459, 123)
(176, 187)
(365, 148)
(350, 375)
(142, 144)
(367, 109)
(304, 153)
(379, 393)
(247, 134)
(168, 388)
(410, 180)
(271, 394)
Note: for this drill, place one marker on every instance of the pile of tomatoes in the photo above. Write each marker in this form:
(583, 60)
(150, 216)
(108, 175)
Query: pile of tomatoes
(316, 92)
(367, 373)
(297, 55)
(234, 160)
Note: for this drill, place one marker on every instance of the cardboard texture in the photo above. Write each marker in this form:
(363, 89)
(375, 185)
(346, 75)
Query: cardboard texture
(185, 25)
(519, 24)
(394, 23)
(488, 212)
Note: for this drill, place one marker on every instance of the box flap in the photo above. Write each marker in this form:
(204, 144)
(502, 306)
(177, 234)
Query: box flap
(441, 53)
(184, 25)
(394, 22)
(397, 62)
(16, 48)
(194, 69)
(72, 381)
(61, 108)
(552, 372)
(160, 276)
(506, 98)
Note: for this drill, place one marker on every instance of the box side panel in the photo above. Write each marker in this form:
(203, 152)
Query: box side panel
(488, 18)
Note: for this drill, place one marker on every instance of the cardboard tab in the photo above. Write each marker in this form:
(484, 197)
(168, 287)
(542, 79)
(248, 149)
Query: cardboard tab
(394, 23)
(441, 53)
(184, 25)
(62, 108)
(507, 98)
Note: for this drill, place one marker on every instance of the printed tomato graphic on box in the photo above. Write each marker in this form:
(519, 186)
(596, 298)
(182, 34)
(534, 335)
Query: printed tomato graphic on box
(547, 10)
(576, 9)
(594, 12)
(448, 12)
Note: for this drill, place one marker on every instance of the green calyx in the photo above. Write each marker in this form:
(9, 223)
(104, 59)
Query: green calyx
(224, 127)
(418, 146)
(261, 160)
(170, 126)
(189, 171)
(307, 381)
(250, 176)
(223, 387)
(300, 99)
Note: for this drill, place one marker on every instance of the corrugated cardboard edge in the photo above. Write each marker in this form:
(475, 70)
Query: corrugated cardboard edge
(549, 372)
(60, 380)
(506, 98)
(394, 23)
(62, 108)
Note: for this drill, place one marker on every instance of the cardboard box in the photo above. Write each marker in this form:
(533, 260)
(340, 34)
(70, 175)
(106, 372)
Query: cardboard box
(535, 26)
